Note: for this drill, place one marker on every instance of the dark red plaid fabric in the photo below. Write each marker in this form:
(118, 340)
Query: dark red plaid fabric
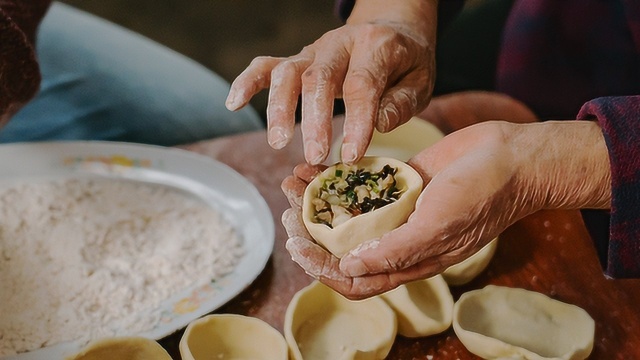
(19, 72)
(583, 56)
(619, 118)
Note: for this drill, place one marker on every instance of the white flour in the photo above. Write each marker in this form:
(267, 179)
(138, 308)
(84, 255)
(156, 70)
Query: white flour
(80, 258)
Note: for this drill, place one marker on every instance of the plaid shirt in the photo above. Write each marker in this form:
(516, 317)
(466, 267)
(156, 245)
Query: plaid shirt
(580, 59)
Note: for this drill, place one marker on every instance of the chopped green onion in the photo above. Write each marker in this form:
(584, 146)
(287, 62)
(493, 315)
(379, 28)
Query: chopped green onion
(340, 190)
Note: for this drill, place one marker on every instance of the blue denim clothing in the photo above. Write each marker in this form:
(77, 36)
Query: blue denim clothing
(103, 82)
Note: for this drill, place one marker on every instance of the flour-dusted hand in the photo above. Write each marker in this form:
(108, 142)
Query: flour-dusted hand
(381, 62)
(481, 180)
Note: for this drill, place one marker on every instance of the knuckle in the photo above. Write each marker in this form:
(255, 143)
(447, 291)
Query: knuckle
(285, 68)
(361, 81)
(393, 264)
(261, 61)
(317, 75)
(376, 31)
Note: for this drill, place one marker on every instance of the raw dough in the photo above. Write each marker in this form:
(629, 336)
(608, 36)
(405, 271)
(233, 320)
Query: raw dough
(122, 348)
(344, 237)
(465, 271)
(510, 323)
(229, 336)
(321, 324)
(423, 307)
(402, 143)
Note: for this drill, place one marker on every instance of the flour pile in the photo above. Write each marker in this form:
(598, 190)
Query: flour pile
(79, 258)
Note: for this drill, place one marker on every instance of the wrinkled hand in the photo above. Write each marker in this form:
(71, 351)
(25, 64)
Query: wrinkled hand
(480, 180)
(383, 69)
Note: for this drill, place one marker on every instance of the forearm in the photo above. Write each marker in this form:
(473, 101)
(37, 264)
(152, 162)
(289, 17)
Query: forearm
(564, 164)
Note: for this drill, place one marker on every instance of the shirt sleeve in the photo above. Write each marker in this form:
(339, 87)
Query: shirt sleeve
(19, 72)
(619, 118)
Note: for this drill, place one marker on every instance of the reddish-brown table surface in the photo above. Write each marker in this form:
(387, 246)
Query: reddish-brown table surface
(549, 252)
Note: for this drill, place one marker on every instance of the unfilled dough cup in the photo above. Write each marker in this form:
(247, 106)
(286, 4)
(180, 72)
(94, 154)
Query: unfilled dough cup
(509, 323)
(322, 324)
(401, 143)
(122, 348)
(423, 307)
(465, 271)
(230, 336)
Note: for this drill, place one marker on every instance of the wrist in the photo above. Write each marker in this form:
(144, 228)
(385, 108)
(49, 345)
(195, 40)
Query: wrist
(562, 164)
(417, 16)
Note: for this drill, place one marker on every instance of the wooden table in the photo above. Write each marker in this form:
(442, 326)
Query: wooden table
(549, 252)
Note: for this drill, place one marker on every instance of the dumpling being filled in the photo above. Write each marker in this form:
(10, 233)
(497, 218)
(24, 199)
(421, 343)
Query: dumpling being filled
(347, 205)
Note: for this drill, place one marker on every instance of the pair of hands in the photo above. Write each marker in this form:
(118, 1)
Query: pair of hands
(453, 217)
(480, 179)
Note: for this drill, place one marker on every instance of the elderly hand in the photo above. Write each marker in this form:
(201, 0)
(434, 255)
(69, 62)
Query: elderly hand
(480, 180)
(381, 63)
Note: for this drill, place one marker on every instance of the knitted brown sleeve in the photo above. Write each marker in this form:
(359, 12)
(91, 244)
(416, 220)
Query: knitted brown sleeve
(19, 72)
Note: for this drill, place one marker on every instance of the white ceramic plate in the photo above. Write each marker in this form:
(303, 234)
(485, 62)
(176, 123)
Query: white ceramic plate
(215, 183)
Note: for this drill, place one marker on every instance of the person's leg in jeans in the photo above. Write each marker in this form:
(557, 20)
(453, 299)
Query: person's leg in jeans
(103, 82)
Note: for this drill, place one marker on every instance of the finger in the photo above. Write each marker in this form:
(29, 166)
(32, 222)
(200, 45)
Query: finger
(419, 238)
(323, 266)
(363, 85)
(251, 81)
(307, 172)
(314, 259)
(292, 222)
(401, 102)
(293, 188)
(362, 287)
(320, 84)
(383, 255)
(283, 99)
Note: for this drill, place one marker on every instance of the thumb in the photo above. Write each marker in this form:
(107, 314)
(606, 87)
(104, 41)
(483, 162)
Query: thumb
(394, 251)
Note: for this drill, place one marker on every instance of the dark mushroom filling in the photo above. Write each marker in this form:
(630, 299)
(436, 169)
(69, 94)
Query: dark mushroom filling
(349, 193)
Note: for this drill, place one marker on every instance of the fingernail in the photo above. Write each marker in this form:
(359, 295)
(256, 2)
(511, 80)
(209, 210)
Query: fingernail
(278, 137)
(383, 121)
(232, 101)
(390, 116)
(348, 153)
(352, 263)
(352, 266)
(314, 153)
